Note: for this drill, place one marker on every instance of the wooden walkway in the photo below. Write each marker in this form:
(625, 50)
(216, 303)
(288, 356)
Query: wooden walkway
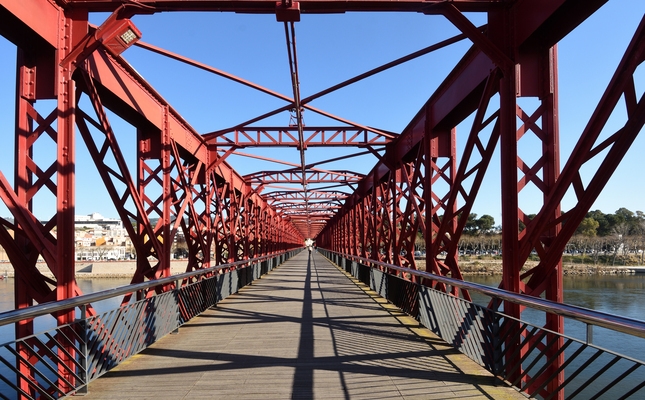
(304, 331)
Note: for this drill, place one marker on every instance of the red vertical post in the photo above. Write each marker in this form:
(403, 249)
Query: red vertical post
(429, 233)
(72, 29)
(163, 268)
(394, 231)
(362, 226)
(206, 217)
(142, 149)
(263, 231)
(354, 231)
(23, 182)
(551, 172)
(54, 79)
(376, 218)
(350, 234)
(509, 178)
(452, 162)
(256, 229)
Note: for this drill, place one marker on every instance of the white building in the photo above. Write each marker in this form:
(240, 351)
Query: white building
(99, 238)
(96, 220)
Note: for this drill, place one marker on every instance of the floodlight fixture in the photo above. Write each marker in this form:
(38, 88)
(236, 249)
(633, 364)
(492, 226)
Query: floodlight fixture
(115, 35)
(119, 36)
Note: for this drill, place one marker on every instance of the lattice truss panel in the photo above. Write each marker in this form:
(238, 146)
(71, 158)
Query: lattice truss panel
(171, 186)
(516, 114)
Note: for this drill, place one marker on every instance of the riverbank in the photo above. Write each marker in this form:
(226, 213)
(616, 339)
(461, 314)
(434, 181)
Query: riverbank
(100, 269)
(125, 269)
(494, 267)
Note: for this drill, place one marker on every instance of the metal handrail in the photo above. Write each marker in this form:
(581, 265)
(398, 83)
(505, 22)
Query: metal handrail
(591, 317)
(9, 317)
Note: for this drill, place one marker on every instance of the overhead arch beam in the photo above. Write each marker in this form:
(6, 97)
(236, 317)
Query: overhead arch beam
(306, 6)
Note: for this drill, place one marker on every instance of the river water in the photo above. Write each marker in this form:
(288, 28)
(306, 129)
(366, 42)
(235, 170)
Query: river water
(87, 286)
(622, 295)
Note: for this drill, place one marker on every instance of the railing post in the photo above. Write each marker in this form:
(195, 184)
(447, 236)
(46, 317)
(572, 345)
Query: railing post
(177, 288)
(589, 334)
(82, 322)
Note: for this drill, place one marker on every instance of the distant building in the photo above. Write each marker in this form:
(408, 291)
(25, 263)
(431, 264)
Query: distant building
(99, 238)
(96, 220)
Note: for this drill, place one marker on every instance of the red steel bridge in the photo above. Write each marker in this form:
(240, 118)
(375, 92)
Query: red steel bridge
(73, 81)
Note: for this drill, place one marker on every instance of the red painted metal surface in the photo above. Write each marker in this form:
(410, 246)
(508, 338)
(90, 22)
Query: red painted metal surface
(270, 6)
(276, 137)
(420, 185)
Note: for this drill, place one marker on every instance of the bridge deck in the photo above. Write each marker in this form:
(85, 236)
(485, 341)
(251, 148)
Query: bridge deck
(305, 331)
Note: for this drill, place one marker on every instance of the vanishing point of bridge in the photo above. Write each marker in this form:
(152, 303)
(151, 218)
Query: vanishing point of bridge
(74, 89)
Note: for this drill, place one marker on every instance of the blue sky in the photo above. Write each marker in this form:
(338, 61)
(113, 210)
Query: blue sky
(332, 48)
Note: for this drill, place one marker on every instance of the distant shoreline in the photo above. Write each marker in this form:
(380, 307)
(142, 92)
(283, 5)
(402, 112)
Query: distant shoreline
(494, 267)
(100, 269)
(126, 269)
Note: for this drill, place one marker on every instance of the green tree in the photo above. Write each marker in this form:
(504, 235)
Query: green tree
(471, 227)
(605, 225)
(588, 227)
(486, 223)
(624, 214)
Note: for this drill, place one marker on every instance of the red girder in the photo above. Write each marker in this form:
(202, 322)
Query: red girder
(316, 136)
(311, 195)
(131, 95)
(270, 177)
(313, 209)
(465, 91)
(306, 6)
(620, 89)
(32, 20)
(136, 101)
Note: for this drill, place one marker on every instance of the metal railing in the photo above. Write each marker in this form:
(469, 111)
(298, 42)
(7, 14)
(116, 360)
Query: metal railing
(64, 360)
(586, 371)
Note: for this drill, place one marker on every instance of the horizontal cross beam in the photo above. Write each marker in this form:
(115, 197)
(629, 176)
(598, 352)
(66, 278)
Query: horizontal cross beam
(288, 137)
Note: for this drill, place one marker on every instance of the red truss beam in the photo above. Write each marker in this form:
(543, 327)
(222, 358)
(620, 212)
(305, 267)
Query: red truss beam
(464, 184)
(306, 6)
(410, 219)
(171, 156)
(189, 197)
(620, 94)
(316, 136)
(269, 177)
(292, 102)
(306, 205)
(299, 195)
(458, 95)
(312, 209)
(42, 74)
(133, 98)
(406, 173)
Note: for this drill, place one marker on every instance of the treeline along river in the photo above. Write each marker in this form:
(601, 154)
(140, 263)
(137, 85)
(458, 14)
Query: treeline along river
(622, 295)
